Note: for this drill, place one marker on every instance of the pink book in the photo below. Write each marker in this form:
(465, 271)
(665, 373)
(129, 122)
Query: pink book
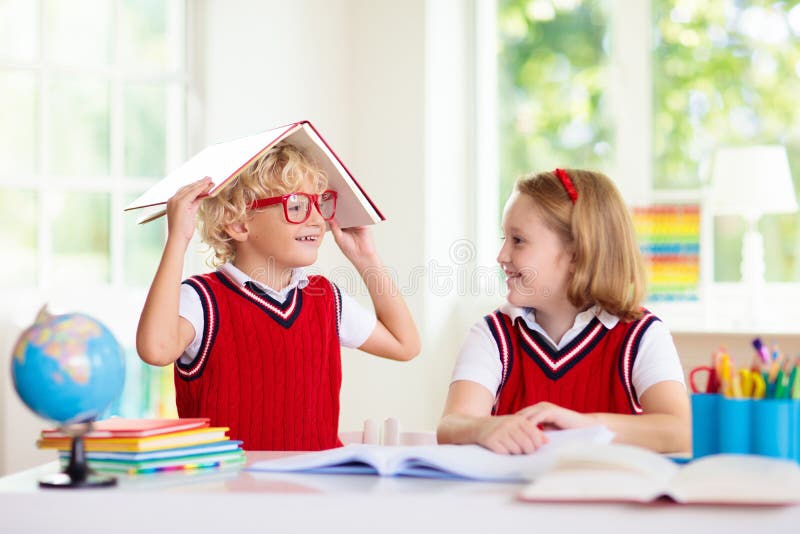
(117, 427)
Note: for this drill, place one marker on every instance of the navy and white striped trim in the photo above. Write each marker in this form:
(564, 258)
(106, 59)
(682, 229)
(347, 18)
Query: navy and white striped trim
(630, 348)
(505, 347)
(193, 370)
(337, 297)
(555, 363)
(284, 313)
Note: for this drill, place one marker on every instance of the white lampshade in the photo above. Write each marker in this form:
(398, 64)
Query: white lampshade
(752, 181)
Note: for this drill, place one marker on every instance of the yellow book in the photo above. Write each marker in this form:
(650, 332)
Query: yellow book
(173, 440)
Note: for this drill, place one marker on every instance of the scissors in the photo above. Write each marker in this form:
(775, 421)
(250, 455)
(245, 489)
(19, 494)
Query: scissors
(712, 382)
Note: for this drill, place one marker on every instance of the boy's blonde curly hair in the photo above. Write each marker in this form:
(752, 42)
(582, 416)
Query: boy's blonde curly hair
(281, 170)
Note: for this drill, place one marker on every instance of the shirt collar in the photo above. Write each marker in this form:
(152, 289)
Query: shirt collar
(581, 320)
(299, 279)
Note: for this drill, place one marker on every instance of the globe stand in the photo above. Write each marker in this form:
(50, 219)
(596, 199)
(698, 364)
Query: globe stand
(77, 473)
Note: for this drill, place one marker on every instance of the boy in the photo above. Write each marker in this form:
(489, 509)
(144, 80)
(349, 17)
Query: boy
(256, 343)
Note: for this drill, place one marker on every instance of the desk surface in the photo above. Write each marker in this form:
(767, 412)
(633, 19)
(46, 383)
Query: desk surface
(223, 502)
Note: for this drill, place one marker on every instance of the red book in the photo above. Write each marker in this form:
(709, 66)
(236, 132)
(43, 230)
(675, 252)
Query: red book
(117, 427)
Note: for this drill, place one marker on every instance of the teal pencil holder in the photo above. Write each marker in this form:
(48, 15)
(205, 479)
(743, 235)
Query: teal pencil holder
(766, 427)
(705, 437)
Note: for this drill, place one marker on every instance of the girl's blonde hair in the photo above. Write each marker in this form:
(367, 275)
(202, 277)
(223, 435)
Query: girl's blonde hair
(598, 228)
(281, 170)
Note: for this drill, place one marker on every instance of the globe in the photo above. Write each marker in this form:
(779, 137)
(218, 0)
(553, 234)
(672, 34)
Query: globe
(67, 368)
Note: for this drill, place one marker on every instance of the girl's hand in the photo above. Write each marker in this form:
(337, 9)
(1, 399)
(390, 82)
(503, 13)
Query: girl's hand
(552, 416)
(510, 434)
(182, 209)
(355, 243)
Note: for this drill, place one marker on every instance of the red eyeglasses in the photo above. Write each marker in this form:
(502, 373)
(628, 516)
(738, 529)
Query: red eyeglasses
(297, 206)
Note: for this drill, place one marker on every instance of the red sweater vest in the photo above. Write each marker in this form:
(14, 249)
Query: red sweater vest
(270, 371)
(591, 374)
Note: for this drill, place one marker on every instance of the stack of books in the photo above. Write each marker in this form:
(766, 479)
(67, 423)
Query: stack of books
(141, 446)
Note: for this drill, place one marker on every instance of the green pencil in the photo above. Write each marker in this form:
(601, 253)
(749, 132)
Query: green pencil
(780, 385)
(794, 382)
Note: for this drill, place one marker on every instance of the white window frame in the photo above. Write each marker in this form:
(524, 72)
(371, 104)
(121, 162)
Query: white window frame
(183, 135)
(114, 303)
(116, 184)
(721, 307)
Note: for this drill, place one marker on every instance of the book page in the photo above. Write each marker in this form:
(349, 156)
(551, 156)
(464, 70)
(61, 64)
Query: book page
(220, 162)
(471, 462)
(475, 462)
(611, 472)
(592, 484)
(619, 457)
(439, 461)
(353, 208)
(737, 478)
(434, 461)
(354, 458)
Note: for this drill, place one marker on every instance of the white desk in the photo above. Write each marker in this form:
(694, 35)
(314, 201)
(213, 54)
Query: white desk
(226, 503)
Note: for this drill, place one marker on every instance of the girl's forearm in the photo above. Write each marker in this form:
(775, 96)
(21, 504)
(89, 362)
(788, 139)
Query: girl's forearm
(458, 429)
(655, 431)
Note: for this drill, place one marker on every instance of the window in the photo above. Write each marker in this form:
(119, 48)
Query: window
(553, 68)
(700, 49)
(713, 72)
(93, 100)
(94, 111)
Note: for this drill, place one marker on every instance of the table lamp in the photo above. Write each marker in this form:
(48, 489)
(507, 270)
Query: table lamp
(752, 181)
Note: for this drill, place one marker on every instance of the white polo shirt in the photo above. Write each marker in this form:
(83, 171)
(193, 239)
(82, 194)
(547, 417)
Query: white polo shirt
(357, 323)
(479, 358)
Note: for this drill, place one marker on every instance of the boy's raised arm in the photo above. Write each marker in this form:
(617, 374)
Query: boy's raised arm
(395, 335)
(162, 335)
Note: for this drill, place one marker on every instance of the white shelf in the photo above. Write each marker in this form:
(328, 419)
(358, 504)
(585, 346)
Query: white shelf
(730, 309)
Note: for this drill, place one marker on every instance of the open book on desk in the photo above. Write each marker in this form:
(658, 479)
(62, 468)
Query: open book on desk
(435, 461)
(611, 473)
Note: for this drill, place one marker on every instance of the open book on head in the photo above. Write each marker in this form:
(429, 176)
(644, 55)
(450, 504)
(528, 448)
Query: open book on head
(435, 461)
(223, 162)
(613, 472)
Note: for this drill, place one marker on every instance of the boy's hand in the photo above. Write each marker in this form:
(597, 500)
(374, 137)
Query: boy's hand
(551, 416)
(510, 434)
(355, 243)
(182, 209)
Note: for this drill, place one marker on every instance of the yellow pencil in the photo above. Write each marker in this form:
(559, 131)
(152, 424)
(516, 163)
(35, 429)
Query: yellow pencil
(759, 386)
(746, 381)
(736, 386)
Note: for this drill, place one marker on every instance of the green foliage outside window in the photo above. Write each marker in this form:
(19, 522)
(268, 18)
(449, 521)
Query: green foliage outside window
(553, 72)
(728, 73)
(725, 72)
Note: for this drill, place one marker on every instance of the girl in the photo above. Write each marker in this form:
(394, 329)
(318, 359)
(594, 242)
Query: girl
(572, 347)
